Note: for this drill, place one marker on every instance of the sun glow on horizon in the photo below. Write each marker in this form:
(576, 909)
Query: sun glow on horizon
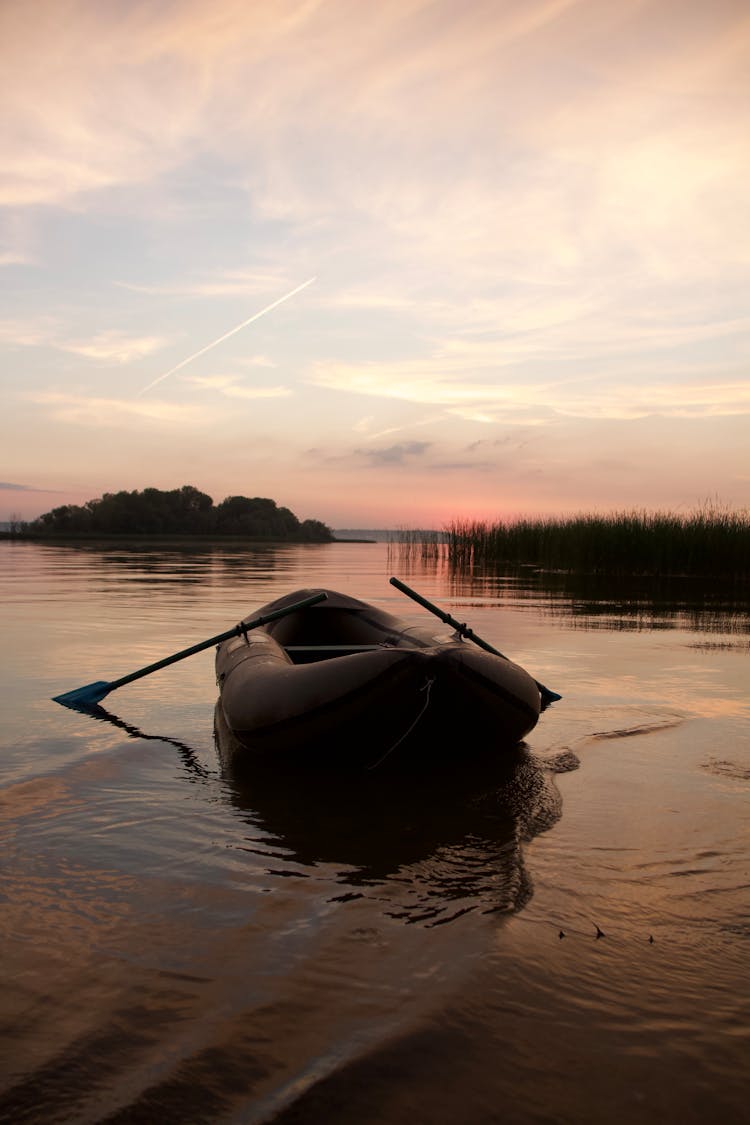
(538, 307)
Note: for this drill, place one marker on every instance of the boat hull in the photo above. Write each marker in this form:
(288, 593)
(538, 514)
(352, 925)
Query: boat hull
(396, 690)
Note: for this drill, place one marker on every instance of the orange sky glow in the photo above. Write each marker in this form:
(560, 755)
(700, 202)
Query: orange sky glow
(500, 253)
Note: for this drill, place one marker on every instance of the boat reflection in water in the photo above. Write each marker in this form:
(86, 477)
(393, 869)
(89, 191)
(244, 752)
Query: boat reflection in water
(431, 844)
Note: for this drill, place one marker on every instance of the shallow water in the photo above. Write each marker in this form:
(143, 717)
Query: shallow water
(184, 945)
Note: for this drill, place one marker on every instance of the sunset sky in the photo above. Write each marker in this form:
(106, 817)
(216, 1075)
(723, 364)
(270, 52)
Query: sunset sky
(503, 251)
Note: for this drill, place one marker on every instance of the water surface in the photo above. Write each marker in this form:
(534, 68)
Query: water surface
(184, 945)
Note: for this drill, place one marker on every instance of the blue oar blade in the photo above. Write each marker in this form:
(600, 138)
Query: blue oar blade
(83, 697)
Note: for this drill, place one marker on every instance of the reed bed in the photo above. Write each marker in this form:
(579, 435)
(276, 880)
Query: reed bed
(709, 542)
(414, 545)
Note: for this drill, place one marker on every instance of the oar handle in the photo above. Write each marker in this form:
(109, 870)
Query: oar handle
(235, 631)
(463, 630)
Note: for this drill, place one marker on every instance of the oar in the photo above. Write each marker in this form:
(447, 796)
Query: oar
(92, 694)
(464, 631)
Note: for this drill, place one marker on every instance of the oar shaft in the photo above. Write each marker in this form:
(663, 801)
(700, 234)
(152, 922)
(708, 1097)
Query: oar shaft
(547, 695)
(172, 659)
(85, 697)
(235, 631)
(460, 626)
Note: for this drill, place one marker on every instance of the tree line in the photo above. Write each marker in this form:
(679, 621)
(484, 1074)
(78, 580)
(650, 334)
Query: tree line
(180, 511)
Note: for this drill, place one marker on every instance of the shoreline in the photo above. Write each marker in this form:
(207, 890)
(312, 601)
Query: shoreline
(166, 539)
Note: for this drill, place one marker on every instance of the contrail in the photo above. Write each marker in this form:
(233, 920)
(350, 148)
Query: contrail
(221, 339)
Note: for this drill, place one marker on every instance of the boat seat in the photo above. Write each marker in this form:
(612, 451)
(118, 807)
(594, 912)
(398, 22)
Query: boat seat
(308, 654)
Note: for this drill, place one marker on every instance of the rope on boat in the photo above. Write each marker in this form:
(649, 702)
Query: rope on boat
(426, 687)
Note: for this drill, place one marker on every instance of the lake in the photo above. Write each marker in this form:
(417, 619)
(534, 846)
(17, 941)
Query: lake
(561, 935)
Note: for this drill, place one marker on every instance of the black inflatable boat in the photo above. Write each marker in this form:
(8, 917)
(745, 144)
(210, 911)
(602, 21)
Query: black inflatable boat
(346, 680)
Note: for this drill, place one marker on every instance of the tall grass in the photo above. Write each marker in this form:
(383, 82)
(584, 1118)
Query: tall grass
(711, 541)
(413, 545)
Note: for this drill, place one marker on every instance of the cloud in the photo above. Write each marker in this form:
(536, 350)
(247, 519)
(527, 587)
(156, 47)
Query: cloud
(107, 346)
(395, 454)
(465, 466)
(230, 387)
(431, 382)
(31, 494)
(94, 102)
(556, 227)
(113, 346)
(112, 413)
(570, 145)
(15, 258)
(626, 366)
(78, 115)
(524, 404)
(257, 361)
(32, 333)
(677, 400)
(411, 424)
(224, 283)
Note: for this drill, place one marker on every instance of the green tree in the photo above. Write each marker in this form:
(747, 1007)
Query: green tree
(180, 511)
(257, 518)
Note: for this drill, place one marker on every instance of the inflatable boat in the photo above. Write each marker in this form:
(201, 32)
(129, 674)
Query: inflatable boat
(346, 681)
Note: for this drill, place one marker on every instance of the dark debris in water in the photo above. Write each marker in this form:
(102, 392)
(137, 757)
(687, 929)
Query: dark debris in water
(719, 646)
(565, 761)
(723, 768)
(598, 934)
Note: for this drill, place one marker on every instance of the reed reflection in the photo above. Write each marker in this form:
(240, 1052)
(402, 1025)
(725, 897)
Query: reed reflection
(637, 603)
(616, 602)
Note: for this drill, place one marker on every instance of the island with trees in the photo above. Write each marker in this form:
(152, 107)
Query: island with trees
(184, 511)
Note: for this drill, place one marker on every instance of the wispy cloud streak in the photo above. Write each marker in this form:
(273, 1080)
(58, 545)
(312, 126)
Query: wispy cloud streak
(226, 336)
